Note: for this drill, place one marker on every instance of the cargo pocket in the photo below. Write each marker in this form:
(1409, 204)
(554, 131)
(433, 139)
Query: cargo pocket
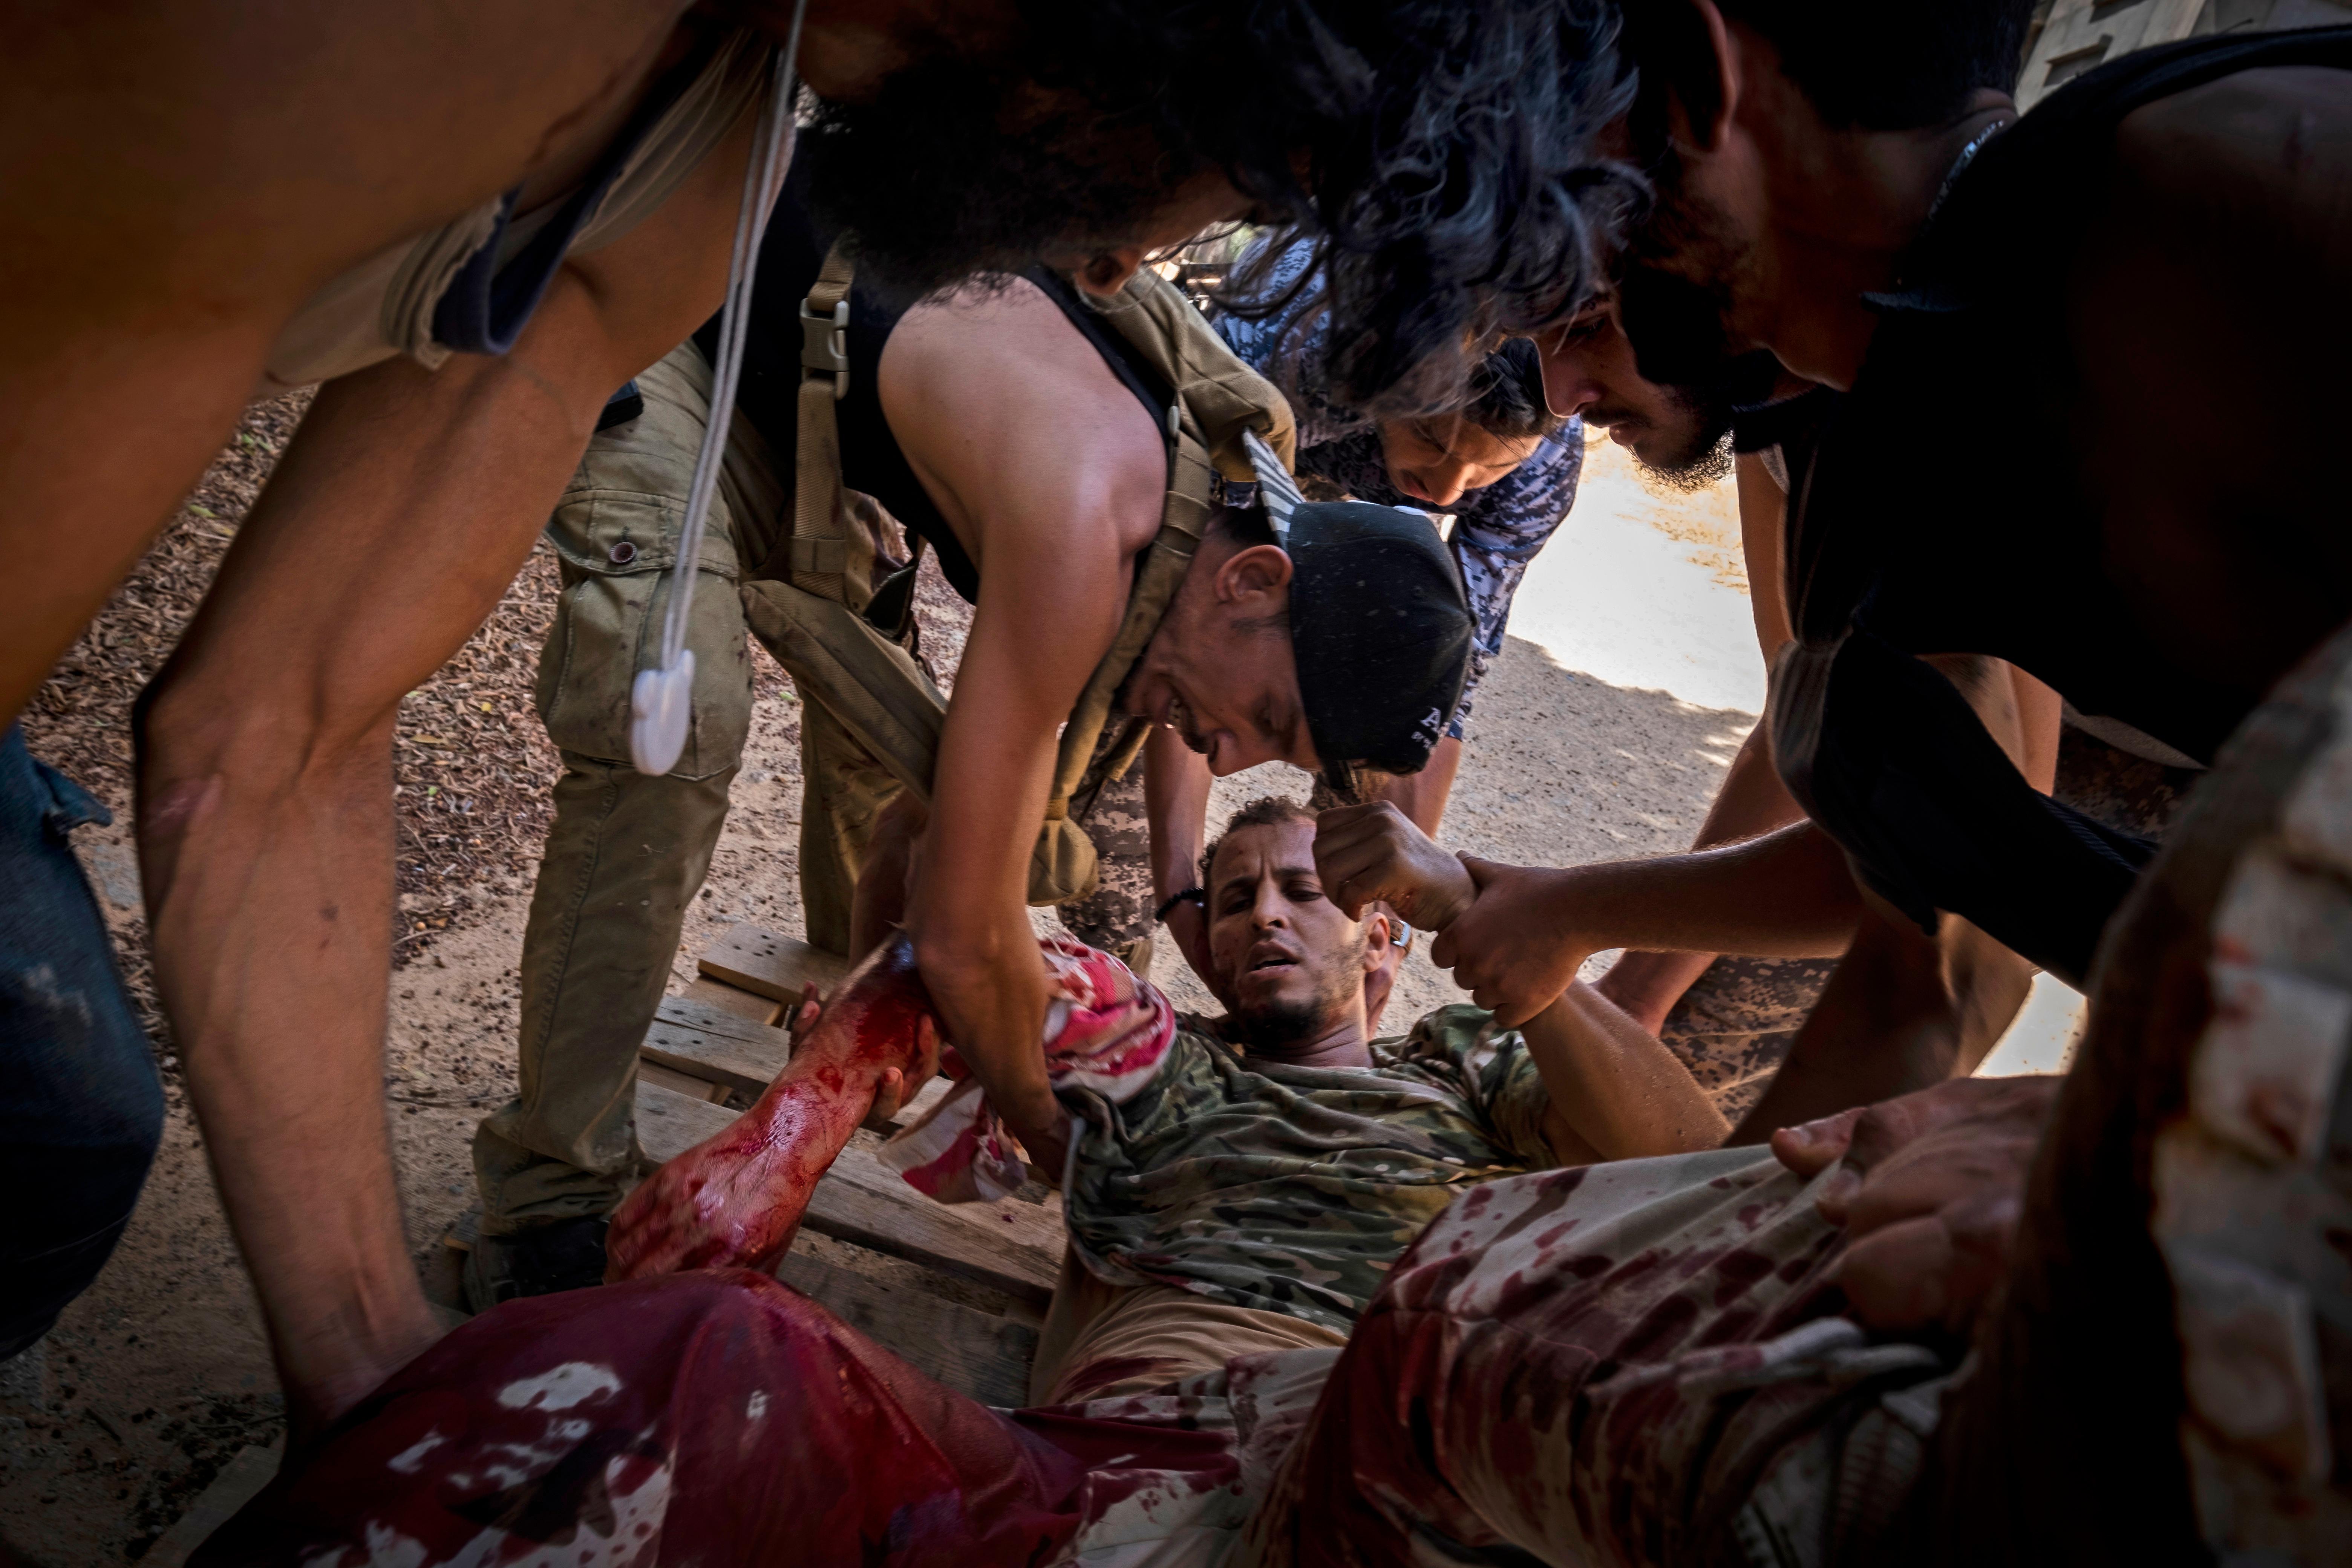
(615, 548)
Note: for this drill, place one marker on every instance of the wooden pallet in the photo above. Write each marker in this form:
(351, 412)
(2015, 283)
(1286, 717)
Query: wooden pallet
(765, 964)
(956, 1291)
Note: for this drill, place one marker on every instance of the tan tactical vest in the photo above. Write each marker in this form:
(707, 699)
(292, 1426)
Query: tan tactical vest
(814, 622)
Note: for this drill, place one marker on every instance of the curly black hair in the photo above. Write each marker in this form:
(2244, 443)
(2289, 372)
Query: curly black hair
(1453, 182)
(1441, 155)
(1507, 395)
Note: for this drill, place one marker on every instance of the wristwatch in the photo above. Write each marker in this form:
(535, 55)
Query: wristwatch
(1189, 896)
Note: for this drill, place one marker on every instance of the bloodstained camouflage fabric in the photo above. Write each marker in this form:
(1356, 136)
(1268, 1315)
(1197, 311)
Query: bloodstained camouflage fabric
(1293, 1189)
(1624, 1364)
(720, 1417)
(1631, 1364)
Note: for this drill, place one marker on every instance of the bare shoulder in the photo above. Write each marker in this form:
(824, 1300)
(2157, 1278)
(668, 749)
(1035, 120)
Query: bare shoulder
(986, 318)
(998, 399)
(995, 351)
(2274, 143)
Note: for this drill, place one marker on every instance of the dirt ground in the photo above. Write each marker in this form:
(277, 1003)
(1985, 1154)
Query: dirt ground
(160, 1375)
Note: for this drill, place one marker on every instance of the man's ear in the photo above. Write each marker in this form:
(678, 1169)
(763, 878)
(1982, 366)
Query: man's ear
(1702, 74)
(1107, 271)
(1380, 935)
(1253, 572)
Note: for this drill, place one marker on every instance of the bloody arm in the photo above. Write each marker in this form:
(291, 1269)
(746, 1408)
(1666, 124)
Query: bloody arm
(735, 1200)
(395, 521)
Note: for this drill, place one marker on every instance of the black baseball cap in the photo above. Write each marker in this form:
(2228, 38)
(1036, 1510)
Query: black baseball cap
(1380, 626)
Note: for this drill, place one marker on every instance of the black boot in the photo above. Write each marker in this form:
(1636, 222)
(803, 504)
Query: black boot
(563, 1255)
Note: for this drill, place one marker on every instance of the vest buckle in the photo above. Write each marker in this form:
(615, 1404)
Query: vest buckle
(824, 345)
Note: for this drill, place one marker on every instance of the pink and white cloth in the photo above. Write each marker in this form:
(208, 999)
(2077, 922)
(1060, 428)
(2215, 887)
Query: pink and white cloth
(1106, 1030)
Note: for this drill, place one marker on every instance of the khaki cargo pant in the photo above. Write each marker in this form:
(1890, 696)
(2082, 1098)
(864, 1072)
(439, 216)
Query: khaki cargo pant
(626, 854)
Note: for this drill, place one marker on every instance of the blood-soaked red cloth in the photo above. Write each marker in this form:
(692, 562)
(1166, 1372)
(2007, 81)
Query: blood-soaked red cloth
(713, 1418)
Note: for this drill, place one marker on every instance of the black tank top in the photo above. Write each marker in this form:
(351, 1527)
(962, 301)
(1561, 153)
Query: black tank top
(1940, 511)
(792, 253)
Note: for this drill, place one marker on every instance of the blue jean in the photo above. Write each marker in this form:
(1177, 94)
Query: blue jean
(81, 1106)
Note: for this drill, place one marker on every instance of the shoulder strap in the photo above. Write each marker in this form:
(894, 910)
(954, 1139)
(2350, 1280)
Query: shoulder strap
(1217, 398)
(819, 558)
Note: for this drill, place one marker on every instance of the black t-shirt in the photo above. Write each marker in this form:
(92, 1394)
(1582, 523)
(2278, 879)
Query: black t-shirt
(1912, 530)
(791, 254)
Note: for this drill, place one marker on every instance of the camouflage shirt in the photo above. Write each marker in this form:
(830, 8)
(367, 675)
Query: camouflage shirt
(1293, 1189)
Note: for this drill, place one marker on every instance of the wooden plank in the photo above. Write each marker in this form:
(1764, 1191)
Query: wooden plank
(1013, 1247)
(930, 1094)
(905, 1274)
(464, 1231)
(684, 1083)
(702, 1042)
(734, 999)
(971, 1351)
(769, 965)
(238, 1483)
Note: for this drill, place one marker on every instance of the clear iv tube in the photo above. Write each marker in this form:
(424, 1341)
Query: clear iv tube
(659, 702)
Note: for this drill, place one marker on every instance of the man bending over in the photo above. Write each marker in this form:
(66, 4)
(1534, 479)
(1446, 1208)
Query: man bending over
(1023, 436)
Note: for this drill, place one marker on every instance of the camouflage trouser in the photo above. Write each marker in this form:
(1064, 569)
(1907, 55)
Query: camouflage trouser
(718, 1417)
(626, 854)
(1588, 1366)
(1615, 1364)
(1735, 1023)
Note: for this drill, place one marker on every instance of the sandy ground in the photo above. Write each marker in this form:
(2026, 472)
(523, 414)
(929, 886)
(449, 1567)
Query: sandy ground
(1601, 732)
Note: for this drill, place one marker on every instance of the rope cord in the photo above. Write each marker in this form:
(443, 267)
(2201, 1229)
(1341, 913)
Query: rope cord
(761, 180)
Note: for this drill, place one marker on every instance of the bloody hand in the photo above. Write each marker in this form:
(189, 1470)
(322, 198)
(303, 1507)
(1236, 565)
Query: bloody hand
(1928, 1193)
(736, 1199)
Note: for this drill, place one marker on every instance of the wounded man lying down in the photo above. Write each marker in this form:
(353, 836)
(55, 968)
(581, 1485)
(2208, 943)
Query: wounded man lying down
(1883, 1342)
(1247, 1197)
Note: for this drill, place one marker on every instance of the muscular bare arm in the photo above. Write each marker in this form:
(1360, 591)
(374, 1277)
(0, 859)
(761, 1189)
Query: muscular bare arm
(1616, 1092)
(397, 518)
(1786, 894)
(1052, 475)
(1176, 785)
(183, 176)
